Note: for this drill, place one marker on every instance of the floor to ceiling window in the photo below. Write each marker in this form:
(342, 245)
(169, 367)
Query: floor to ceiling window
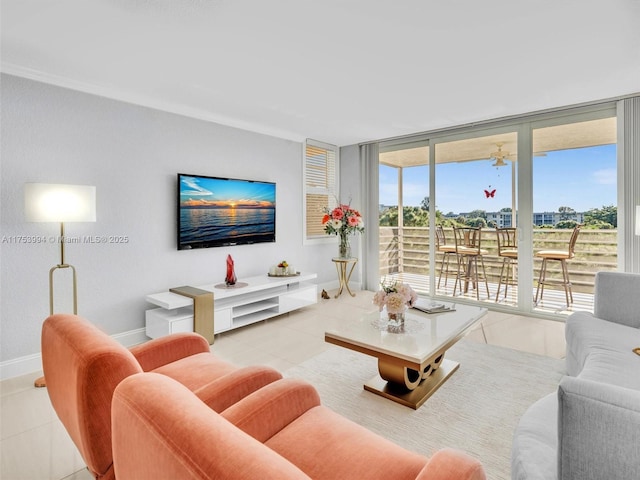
(574, 192)
(558, 170)
(404, 215)
(476, 187)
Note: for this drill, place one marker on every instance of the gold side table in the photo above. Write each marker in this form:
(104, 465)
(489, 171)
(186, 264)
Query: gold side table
(345, 267)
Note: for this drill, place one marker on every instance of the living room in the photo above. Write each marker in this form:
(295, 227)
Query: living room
(131, 141)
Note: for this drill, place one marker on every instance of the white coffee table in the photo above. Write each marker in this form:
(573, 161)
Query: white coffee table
(411, 363)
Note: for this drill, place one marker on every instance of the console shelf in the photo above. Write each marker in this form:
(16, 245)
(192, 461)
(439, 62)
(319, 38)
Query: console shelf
(263, 297)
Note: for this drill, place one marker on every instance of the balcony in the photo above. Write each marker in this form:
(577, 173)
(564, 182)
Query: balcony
(404, 255)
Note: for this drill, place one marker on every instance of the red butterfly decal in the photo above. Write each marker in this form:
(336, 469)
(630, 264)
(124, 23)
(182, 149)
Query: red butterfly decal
(490, 194)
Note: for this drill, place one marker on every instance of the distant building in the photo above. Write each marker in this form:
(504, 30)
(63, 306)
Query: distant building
(500, 219)
(551, 218)
(505, 220)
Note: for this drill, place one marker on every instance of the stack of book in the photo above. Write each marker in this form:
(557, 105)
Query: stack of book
(428, 306)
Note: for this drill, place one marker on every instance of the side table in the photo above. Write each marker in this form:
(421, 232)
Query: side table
(345, 267)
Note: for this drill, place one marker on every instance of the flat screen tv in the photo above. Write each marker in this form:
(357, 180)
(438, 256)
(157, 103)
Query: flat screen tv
(217, 212)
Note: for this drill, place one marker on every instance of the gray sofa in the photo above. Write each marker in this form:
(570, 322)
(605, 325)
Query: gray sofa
(590, 428)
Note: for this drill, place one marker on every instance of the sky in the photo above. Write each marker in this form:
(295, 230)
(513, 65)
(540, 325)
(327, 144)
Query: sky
(196, 190)
(582, 179)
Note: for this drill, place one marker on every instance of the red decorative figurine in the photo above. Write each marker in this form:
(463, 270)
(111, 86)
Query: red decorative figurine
(231, 274)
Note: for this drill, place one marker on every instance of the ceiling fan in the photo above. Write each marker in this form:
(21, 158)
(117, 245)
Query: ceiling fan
(499, 156)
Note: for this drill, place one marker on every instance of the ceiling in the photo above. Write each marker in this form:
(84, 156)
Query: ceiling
(338, 71)
(559, 137)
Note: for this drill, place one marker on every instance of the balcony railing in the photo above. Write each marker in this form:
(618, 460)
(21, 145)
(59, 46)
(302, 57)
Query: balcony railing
(406, 251)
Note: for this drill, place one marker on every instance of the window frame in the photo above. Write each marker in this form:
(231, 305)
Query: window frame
(332, 189)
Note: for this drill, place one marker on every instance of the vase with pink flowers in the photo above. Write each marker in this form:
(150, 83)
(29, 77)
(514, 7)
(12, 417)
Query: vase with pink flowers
(343, 221)
(395, 298)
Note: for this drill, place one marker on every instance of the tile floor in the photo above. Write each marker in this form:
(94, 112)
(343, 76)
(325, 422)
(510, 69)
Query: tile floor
(35, 446)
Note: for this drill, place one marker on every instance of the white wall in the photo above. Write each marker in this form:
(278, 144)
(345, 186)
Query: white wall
(131, 154)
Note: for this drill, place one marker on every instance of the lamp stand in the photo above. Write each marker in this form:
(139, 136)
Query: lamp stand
(60, 266)
(41, 382)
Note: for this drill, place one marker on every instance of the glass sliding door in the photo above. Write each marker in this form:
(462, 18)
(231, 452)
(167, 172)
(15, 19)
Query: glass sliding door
(574, 183)
(475, 182)
(404, 215)
(539, 176)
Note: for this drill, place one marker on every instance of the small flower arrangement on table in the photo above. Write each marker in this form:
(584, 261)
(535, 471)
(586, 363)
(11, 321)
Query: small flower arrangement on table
(343, 221)
(396, 298)
(283, 269)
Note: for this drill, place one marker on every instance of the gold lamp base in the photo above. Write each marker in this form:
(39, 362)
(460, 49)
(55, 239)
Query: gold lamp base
(41, 381)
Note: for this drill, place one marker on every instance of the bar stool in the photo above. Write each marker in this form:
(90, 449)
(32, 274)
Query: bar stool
(560, 256)
(468, 252)
(447, 250)
(508, 251)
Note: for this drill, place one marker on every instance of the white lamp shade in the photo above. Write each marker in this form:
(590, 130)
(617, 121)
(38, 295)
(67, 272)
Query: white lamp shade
(637, 219)
(49, 202)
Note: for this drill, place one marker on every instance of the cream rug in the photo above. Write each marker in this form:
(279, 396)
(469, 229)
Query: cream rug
(476, 410)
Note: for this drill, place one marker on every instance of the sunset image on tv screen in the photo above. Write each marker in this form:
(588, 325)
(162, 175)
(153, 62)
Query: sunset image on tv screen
(218, 211)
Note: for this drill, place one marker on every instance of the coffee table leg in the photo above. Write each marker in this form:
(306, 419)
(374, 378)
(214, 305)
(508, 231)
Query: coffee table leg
(432, 367)
(407, 386)
(399, 375)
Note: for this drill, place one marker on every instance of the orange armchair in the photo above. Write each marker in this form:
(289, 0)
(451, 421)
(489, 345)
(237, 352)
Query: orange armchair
(281, 431)
(83, 366)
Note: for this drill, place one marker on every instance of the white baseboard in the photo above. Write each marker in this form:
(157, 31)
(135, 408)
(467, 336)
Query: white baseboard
(33, 363)
(334, 285)
(20, 366)
(132, 337)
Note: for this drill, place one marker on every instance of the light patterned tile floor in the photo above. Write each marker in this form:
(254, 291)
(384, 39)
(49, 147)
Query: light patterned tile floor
(35, 445)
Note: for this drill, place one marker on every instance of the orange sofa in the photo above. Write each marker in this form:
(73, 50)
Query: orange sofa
(161, 430)
(83, 365)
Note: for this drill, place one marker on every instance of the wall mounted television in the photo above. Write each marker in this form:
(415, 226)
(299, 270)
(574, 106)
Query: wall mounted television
(218, 212)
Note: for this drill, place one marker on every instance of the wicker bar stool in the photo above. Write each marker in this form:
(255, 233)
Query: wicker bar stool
(447, 250)
(468, 253)
(508, 251)
(559, 256)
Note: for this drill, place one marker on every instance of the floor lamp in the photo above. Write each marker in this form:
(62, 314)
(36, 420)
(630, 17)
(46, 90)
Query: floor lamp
(48, 202)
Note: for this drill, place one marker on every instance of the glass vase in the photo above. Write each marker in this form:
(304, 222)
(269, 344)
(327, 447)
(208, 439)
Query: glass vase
(396, 322)
(344, 248)
(230, 279)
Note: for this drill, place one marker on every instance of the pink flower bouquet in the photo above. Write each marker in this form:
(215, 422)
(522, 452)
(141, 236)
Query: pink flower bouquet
(342, 220)
(395, 296)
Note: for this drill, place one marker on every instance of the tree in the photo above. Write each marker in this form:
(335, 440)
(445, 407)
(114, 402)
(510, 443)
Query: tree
(425, 204)
(389, 217)
(598, 216)
(598, 225)
(566, 224)
(477, 222)
(566, 213)
(415, 217)
(505, 209)
(478, 214)
(411, 217)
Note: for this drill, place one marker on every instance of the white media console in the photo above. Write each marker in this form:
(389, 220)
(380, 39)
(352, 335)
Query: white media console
(262, 297)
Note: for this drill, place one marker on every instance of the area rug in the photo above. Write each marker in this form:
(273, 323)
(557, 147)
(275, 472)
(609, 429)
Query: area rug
(476, 410)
